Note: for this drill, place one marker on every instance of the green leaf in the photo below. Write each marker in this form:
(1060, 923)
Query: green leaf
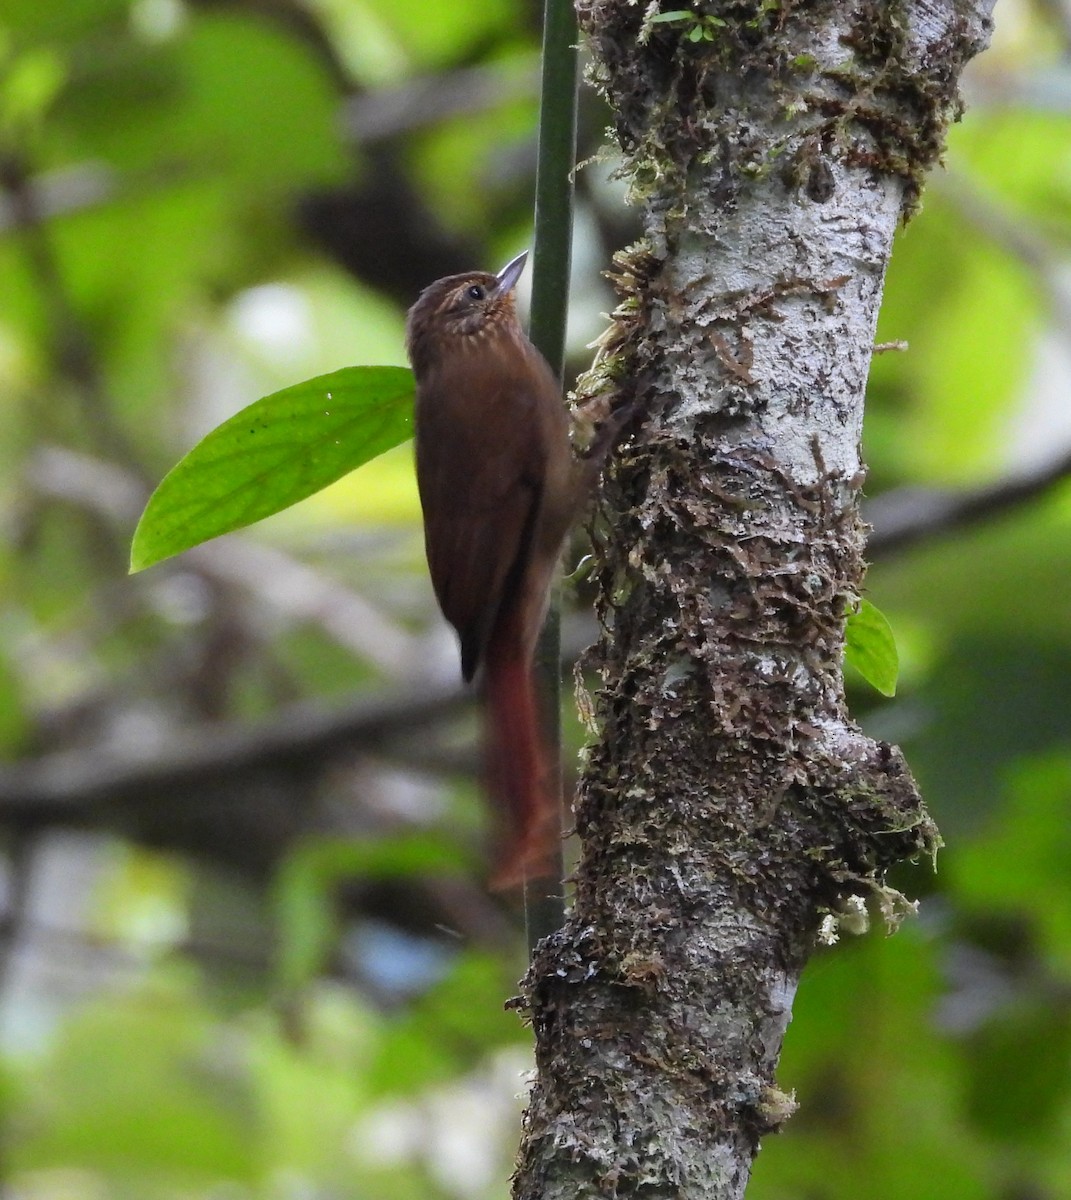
(871, 647)
(272, 454)
(677, 15)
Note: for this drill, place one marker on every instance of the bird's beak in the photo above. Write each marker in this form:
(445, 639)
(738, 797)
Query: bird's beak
(511, 272)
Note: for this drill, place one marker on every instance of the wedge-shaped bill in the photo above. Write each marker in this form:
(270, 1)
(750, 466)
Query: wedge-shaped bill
(277, 451)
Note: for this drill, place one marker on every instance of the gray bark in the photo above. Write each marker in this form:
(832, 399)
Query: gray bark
(729, 802)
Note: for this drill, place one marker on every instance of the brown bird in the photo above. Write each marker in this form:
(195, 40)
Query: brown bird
(499, 488)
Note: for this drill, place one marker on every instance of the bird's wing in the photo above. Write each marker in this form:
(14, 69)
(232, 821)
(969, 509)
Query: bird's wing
(480, 469)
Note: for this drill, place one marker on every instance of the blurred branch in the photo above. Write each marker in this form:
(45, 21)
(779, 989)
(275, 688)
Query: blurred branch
(432, 99)
(198, 790)
(89, 482)
(238, 793)
(61, 192)
(906, 516)
(302, 593)
(74, 943)
(1045, 89)
(244, 798)
(68, 784)
(291, 587)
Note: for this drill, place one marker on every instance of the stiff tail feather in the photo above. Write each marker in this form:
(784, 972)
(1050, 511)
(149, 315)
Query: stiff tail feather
(517, 767)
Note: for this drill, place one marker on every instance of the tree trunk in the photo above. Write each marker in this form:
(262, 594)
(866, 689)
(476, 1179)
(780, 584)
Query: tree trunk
(729, 802)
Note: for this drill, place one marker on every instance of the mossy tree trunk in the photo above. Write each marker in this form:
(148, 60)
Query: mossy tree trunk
(729, 802)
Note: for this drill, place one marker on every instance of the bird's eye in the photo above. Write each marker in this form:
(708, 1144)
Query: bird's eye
(475, 292)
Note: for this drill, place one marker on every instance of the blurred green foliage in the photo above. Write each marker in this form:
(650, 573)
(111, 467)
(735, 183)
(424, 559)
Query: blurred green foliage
(177, 1026)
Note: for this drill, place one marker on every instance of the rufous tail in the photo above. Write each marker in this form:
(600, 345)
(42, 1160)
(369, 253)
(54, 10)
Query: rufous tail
(518, 777)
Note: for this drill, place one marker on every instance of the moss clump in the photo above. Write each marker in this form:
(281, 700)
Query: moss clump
(905, 98)
(699, 87)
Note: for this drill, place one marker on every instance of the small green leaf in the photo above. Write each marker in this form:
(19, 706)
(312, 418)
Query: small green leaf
(277, 451)
(677, 15)
(871, 647)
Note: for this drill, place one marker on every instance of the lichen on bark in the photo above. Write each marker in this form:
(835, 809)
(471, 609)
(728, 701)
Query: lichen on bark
(728, 800)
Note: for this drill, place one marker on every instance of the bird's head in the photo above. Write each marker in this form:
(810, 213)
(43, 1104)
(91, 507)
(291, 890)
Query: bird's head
(462, 312)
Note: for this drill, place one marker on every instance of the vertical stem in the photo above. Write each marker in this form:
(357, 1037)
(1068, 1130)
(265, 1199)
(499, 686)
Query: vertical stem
(550, 296)
(554, 183)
